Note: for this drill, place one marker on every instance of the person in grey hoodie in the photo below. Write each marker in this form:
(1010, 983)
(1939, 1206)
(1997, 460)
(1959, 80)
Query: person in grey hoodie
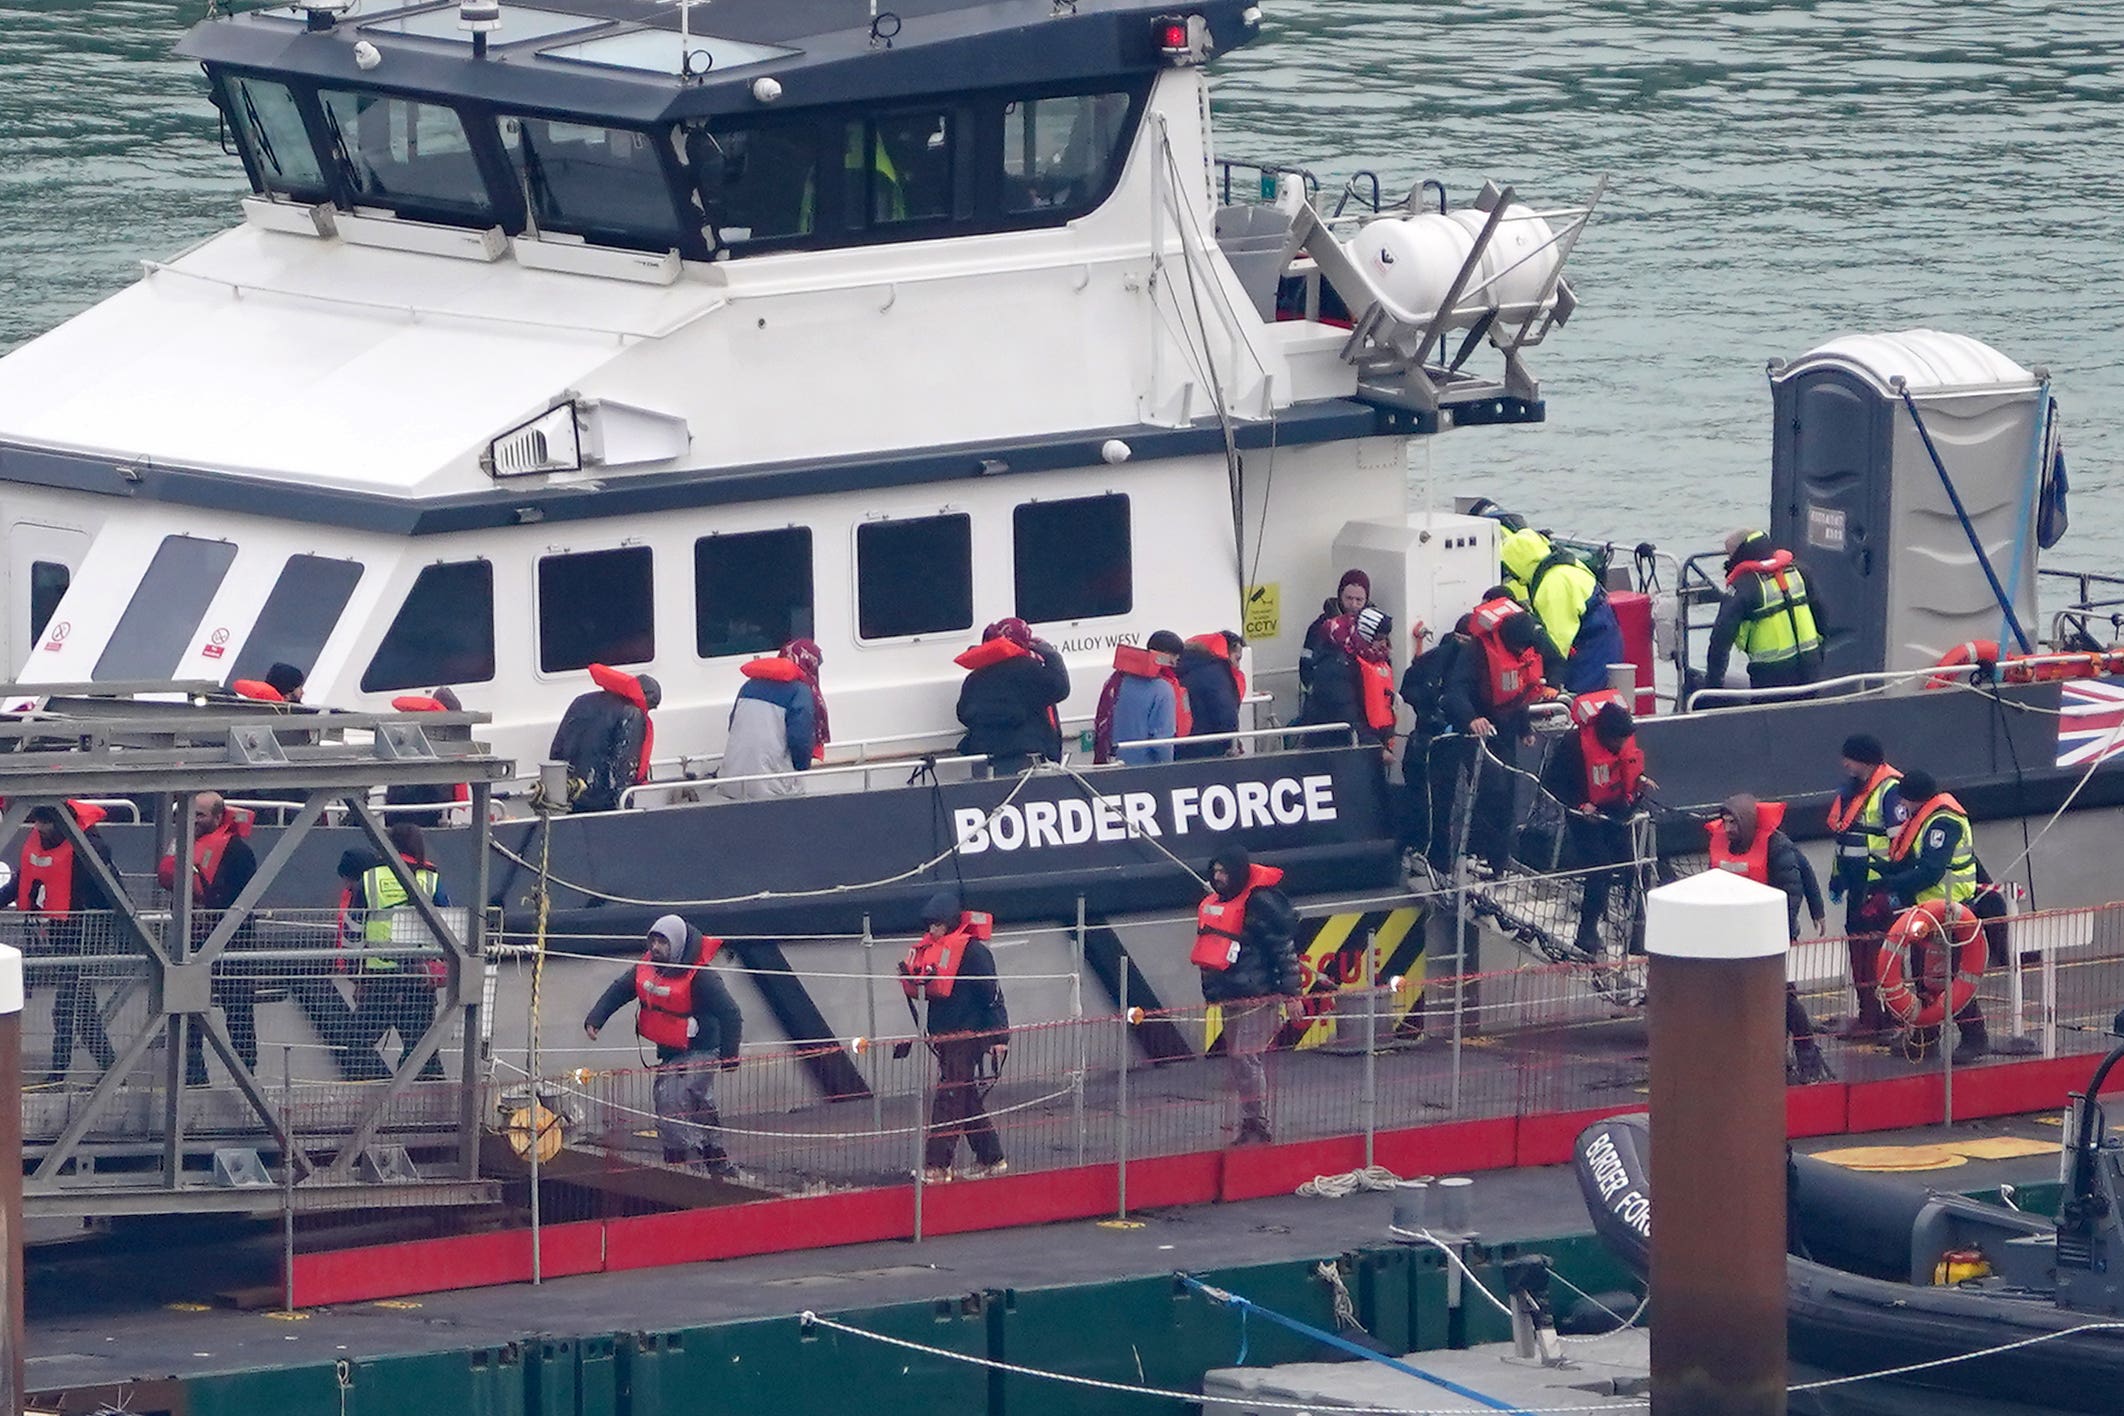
(684, 1009)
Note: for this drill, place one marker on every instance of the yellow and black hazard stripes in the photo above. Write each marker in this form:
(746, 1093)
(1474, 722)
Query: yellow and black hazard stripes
(1331, 960)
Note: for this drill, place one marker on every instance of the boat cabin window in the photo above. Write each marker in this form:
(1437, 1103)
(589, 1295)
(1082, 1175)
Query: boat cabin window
(596, 608)
(751, 591)
(267, 122)
(1072, 559)
(907, 175)
(157, 626)
(1059, 152)
(48, 583)
(298, 615)
(914, 576)
(443, 633)
(606, 185)
(757, 184)
(411, 158)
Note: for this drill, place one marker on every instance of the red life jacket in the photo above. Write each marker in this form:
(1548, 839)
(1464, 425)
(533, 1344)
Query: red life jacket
(1775, 567)
(664, 1003)
(1914, 825)
(1376, 680)
(629, 687)
(1844, 811)
(1611, 777)
(44, 882)
(258, 690)
(931, 967)
(990, 651)
(208, 851)
(1133, 660)
(1512, 679)
(1754, 862)
(1220, 924)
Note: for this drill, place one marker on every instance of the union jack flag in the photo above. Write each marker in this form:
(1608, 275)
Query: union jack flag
(2091, 722)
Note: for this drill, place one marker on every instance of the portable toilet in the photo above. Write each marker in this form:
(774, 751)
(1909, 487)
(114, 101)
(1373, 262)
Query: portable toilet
(1857, 497)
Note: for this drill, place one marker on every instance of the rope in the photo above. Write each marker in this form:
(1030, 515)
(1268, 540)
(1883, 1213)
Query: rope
(1938, 1362)
(1336, 1187)
(811, 1319)
(538, 959)
(1427, 1237)
(1345, 1306)
(757, 895)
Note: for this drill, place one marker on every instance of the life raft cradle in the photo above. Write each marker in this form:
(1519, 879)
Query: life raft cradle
(1984, 661)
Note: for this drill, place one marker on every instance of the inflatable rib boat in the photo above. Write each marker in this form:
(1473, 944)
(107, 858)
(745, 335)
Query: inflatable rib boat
(1883, 1275)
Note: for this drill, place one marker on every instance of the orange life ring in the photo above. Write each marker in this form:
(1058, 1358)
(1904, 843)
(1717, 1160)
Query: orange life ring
(1899, 977)
(1971, 652)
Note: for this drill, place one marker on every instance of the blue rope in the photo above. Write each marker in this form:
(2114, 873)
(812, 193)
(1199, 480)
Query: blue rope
(1998, 591)
(1246, 1306)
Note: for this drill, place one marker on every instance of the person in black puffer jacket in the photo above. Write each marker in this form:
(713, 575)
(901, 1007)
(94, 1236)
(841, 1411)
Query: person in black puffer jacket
(1250, 968)
(1008, 700)
(1215, 686)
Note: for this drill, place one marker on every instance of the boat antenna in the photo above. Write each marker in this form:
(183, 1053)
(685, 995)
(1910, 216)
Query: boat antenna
(480, 18)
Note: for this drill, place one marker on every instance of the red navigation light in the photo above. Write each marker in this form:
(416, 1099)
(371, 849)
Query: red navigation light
(1171, 31)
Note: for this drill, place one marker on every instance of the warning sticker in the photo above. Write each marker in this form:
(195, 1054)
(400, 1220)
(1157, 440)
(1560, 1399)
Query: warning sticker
(1264, 611)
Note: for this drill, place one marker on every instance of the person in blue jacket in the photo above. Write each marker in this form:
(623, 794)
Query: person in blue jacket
(777, 724)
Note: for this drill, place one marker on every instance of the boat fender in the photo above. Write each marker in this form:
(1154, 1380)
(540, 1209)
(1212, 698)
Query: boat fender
(1920, 925)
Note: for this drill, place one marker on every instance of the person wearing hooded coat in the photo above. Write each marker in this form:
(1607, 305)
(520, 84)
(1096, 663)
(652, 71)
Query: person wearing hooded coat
(1480, 725)
(605, 736)
(1249, 969)
(1352, 593)
(1144, 702)
(1771, 613)
(777, 724)
(967, 1023)
(1214, 686)
(694, 1039)
(1007, 702)
(1598, 835)
(1582, 636)
(1741, 820)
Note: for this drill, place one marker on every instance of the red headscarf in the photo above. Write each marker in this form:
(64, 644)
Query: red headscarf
(806, 656)
(1017, 631)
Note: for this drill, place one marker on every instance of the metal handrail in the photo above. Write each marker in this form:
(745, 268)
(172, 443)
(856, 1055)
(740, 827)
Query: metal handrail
(631, 795)
(1243, 735)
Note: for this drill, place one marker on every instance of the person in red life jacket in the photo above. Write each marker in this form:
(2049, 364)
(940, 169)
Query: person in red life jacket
(393, 991)
(1142, 701)
(1353, 679)
(1771, 611)
(1209, 674)
(1008, 700)
(684, 1009)
(442, 795)
(1249, 969)
(1352, 593)
(58, 890)
(282, 683)
(777, 724)
(1488, 689)
(606, 736)
(222, 865)
(1597, 774)
(967, 1024)
(1746, 839)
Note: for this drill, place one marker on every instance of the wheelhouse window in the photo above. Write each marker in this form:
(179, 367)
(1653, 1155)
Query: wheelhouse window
(1061, 152)
(267, 123)
(606, 185)
(409, 157)
(751, 591)
(157, 626)
(897, 167)
(596, 608)
(757, 184)
(1072, 559)
(914, 576)
(298, 615)
(48, 584)
(442, 634)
